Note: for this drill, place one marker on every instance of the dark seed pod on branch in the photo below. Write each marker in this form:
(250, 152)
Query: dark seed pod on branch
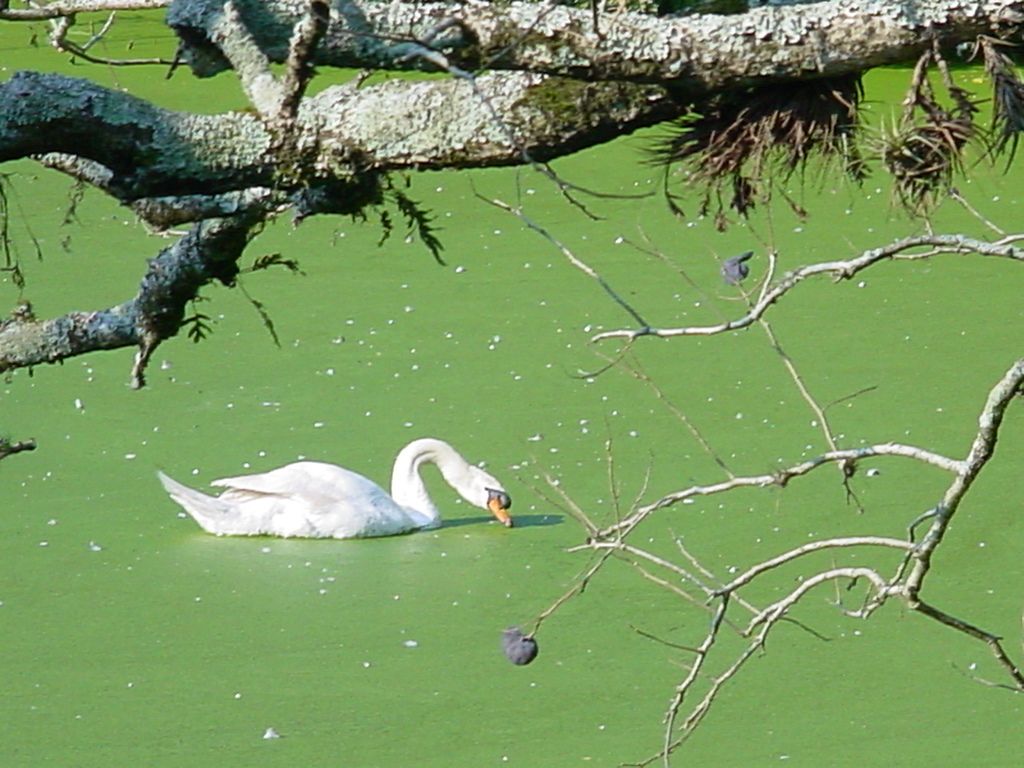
(518, 648)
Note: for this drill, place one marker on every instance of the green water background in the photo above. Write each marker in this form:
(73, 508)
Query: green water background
(131, 638)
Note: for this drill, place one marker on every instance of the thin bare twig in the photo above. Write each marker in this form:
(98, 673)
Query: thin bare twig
(569, 255)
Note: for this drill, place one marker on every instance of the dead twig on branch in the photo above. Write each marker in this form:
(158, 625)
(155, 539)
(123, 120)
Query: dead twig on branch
(9, 448)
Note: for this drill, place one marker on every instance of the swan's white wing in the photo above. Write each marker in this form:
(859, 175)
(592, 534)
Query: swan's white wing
(311, 498)
(311, 482)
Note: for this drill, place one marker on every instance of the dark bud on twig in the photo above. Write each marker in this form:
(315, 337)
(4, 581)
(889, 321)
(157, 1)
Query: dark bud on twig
(735, 269)
(518, 648)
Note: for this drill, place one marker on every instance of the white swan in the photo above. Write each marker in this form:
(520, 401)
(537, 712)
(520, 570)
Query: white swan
(317, 500)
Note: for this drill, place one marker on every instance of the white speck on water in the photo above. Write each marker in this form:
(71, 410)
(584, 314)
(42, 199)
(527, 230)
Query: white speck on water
(44, 543)
(410, 643)
(129, 456)
(270, 733)
(862, 283)
(535, 438)
(52, 521)
(873, 472)
(459, 270)
(94, 547)
(317, 424)
(981, 543)
(739, 416)
(407, 424)
(366, 665)
(238, 695)
(265, 550)
(78, 404)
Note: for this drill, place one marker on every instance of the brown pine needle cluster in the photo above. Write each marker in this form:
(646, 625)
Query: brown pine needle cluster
(735, 143)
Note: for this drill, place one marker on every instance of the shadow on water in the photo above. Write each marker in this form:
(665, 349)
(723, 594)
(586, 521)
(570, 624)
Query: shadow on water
(519, 521)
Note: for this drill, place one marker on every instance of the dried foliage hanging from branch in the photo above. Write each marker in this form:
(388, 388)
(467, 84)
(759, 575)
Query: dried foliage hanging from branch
(1007, 98)
(739, 141)
(926, 149)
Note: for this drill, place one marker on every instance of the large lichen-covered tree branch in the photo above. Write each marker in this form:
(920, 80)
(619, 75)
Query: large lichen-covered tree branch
(342, 132)
(534, 82)
(208, 252)
(698, 54)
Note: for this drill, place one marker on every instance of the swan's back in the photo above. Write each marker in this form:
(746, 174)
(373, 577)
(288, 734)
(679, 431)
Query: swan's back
(307, 498)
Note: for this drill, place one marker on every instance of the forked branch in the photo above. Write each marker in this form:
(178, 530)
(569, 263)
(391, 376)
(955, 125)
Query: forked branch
(699, 688)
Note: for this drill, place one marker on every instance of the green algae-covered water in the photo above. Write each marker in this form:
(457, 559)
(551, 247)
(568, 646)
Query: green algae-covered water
(129, 637)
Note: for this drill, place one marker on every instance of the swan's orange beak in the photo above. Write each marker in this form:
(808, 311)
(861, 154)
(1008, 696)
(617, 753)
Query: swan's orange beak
(500, 510)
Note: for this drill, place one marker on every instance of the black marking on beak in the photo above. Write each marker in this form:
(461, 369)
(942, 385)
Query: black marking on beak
(503, 498)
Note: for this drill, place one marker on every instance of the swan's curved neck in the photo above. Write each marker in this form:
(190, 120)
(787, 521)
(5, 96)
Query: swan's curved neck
(407, 487)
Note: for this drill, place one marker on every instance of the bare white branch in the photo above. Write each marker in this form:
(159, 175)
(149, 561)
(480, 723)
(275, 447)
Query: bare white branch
(839, 270)
(64, 8)
(782, 476)
(815, 546)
